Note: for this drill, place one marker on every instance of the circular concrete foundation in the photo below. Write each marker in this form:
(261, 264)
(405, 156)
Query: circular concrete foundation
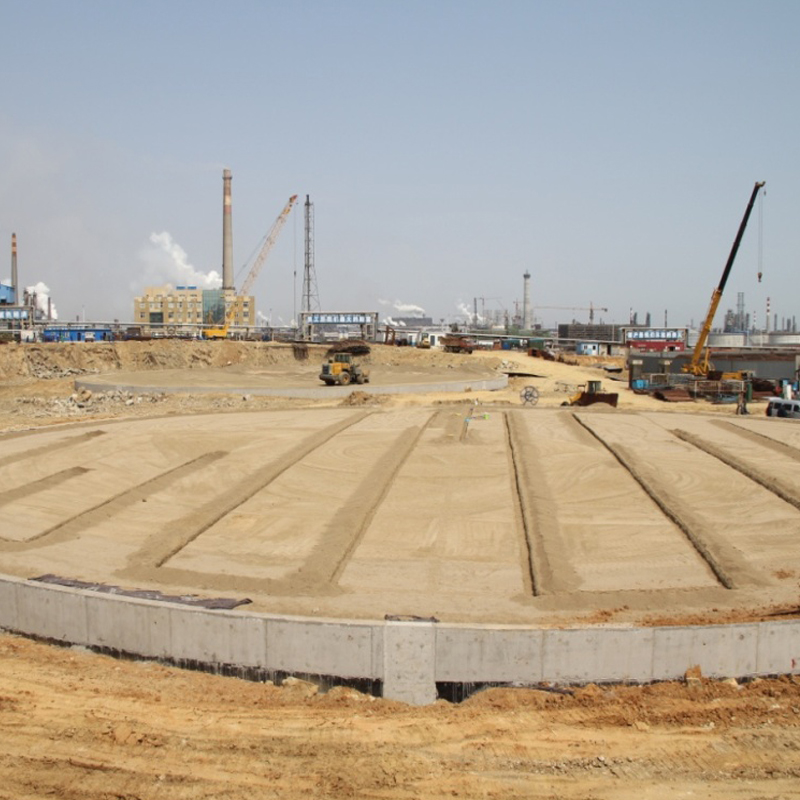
(300, 382)
(467, 521)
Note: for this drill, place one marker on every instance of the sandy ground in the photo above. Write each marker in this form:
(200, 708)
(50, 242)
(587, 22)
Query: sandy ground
(79, 725)
(466, 508)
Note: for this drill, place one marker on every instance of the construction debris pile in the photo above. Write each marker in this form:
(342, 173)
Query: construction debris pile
(85, 402)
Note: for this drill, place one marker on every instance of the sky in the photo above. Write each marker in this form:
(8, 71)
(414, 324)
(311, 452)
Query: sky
(608, 148)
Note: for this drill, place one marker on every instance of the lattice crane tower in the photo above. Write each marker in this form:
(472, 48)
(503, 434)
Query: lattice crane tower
(310, 300)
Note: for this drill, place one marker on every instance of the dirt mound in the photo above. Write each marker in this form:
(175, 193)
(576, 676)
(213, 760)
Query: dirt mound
(63, 360)
(362, 399)
(356, 348)
(59, 360)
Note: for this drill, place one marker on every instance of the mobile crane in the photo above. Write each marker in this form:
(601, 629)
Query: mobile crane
(221, 332)
(700, 364)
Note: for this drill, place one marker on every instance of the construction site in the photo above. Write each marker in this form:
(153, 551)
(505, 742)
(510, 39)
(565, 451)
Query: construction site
(594, 581)
(511, 565)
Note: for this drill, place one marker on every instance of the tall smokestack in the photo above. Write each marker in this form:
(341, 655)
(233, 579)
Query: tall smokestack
(227, 232)
(527, 323)
(14, 277)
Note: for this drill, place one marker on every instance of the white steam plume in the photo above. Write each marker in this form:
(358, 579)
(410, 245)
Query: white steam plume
(166, 262)
(408, 309)
(469, 313)
(42, 292)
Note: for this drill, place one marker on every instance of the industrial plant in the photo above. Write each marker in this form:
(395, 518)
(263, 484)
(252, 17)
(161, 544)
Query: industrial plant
(186, 309)
(228, 312)
(21, 313)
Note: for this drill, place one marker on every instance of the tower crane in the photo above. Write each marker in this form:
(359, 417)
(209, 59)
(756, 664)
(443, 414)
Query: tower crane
(591, 308)
(221, 332)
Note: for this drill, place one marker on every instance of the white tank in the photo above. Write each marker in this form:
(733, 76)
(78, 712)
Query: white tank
(727, 340)
(779, 339)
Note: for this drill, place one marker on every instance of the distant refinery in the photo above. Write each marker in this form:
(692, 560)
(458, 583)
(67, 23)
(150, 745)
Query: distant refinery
(20, 310)
(191, 307)
(175, 309)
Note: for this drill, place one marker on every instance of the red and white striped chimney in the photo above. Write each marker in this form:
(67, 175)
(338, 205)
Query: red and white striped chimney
(227, 232)
(14, 277)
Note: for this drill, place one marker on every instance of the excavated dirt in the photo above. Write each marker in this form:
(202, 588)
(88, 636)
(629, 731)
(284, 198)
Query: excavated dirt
(79, 725)
(84, 727)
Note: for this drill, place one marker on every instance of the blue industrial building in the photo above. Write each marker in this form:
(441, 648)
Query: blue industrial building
(78, 333)
(6, 295)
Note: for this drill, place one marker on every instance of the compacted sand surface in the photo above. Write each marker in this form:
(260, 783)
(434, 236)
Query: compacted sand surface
(470, 507)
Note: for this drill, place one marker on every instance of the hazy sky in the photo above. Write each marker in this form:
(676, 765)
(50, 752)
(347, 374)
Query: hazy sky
(609, 148)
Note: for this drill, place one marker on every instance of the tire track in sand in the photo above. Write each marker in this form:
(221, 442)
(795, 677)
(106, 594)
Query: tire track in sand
(727, 563)
(166, 542)
(48, 449)
(759, 438)
(329, 558)
(41, 485)
(549, 572)
(71, 528)
(781, 488)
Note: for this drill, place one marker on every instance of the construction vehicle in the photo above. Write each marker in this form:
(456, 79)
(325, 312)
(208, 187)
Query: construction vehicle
(221, 331)
(592, 393)
(700, 365)
(457, 344)
(342, 370)
(424, 341)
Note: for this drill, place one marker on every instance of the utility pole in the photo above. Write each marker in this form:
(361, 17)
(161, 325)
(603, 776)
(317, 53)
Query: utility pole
(310, 301)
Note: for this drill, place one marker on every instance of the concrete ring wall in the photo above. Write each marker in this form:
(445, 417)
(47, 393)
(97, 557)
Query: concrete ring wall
(317, 393)
(408, 659)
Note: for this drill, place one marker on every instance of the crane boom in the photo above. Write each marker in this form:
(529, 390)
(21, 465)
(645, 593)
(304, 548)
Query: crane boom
(268, 243)
(574, 308)
(591, 308)
(222, 332)
(699, 365)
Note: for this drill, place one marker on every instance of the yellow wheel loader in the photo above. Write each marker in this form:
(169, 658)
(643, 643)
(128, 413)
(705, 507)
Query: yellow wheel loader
(342, 370)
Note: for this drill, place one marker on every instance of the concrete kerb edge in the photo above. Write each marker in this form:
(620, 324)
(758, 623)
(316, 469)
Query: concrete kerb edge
(409, 660)
(319, 393)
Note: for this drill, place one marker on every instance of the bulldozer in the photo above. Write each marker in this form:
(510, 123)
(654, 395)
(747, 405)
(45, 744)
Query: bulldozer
(591, 393)
(342, 370)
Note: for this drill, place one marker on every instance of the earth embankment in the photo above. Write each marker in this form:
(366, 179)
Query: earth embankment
(58, 359)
